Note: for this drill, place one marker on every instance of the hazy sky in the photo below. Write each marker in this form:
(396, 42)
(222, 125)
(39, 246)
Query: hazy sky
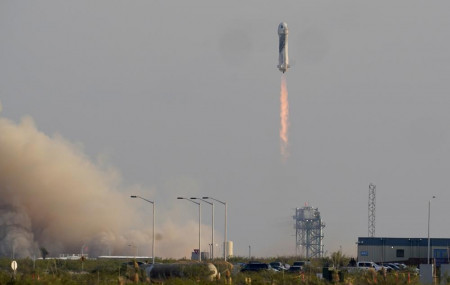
(182, 97)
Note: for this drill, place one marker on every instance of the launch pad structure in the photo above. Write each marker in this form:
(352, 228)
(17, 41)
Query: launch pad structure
(308, 232)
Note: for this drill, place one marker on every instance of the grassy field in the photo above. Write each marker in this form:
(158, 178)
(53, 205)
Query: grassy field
(52, 271)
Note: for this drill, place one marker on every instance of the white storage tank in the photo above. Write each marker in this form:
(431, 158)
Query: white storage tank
(229, 246)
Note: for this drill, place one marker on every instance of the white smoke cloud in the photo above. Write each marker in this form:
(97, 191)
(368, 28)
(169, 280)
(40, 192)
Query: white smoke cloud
(15, 231)
(54, 196)
(52, 193)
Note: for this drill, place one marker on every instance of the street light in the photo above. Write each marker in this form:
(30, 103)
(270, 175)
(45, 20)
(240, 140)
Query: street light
(199, 226)
(153, 239)
(82, 257)
(212, 231)
(428, 249)
(225, 247)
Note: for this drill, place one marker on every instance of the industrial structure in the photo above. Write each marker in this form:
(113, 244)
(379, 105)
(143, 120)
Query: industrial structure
(208, 255)
(372, 192)
(411, 251)
(308, 232)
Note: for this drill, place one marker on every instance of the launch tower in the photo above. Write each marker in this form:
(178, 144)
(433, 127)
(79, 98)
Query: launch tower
(308, 232)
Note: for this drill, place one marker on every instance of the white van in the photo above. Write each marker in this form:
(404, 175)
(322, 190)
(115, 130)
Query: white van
(368, 264)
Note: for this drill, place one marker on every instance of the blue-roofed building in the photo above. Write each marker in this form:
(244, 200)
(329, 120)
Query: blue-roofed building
(411, 251)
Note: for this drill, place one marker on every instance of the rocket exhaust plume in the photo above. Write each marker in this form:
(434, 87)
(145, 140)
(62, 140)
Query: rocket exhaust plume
(284, 116)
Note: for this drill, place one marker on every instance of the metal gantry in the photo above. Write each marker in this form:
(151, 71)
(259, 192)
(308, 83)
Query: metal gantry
(372, 190)
(309, 232)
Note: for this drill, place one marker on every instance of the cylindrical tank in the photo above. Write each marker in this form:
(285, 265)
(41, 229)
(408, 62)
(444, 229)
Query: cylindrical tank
(229, 246)
(204, 271)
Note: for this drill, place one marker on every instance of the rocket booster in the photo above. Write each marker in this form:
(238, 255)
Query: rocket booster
(283, 59)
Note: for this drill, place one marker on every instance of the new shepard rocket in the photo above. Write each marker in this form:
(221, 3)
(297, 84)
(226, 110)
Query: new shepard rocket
(283, 59)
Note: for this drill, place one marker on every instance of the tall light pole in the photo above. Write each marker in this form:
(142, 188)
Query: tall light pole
(82, 257)
(153, 239)
(199, 226)
(428, 249)
(212, 231)
(225, 246)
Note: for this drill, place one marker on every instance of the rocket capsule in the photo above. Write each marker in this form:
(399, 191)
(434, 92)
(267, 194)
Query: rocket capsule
(283, 58)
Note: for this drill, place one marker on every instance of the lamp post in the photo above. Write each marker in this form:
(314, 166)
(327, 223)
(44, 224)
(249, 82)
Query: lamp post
(212, 231)
(81, 258)
(225, 246)
(428, 248)
(153, 239)
(199, 226)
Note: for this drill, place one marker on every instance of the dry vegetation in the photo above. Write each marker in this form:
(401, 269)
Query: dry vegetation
(52, 271)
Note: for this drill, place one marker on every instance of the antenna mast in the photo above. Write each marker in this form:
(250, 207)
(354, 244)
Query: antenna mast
(372, 189)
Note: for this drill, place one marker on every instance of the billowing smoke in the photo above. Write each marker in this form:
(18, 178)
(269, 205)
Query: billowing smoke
(54, 197)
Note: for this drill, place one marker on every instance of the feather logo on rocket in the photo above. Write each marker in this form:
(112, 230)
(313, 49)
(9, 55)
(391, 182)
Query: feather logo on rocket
(283, 59)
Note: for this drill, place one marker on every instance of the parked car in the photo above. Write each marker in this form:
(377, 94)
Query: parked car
(368, 264)
(387, 267)
(277, 266)
(295, 269)
(255, 267)
(402, 266)
(300, 263)
(393, 266)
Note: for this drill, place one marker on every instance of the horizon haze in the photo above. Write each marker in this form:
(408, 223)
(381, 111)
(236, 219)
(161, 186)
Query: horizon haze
(106, 99)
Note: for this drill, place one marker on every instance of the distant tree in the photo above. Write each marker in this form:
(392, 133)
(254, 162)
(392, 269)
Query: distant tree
(44, 252)
(339, 259)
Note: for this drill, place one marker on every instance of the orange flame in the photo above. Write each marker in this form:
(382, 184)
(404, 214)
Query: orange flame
(284, 115)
